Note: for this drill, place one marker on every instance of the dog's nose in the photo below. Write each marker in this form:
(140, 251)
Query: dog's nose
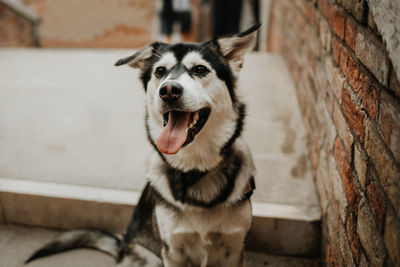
(171, 91)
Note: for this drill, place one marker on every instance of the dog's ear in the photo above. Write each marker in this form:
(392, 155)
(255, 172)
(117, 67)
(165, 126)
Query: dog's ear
(235, 47)
(140, 58)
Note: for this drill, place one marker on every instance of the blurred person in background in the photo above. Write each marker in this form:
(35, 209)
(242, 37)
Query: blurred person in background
(179, 11)
(226, 17)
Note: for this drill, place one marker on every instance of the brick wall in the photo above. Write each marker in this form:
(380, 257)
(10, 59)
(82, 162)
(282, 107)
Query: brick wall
(349, 98)
(94, 23)
(16, 30)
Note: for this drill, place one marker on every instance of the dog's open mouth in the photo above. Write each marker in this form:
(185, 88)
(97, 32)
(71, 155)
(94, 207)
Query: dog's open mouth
(180, 128)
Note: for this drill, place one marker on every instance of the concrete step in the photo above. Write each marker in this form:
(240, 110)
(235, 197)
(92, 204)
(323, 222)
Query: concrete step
(17, 243)
(73, 144)
(63, 206)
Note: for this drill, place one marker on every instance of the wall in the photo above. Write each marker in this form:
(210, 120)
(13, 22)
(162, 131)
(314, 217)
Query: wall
(16, 29)
(349, 97)
(94, 23)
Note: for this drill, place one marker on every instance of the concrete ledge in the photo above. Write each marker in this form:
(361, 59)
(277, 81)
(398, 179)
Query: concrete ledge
(285, 237)
(277, 228)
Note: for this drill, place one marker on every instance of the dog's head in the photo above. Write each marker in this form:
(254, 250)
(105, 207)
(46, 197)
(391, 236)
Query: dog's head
(191, 90)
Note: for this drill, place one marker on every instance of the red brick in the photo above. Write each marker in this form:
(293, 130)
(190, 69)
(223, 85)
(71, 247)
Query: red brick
(394, 84)
(353, 114)
(334, 16)
(336, 21)
(344, 246)
(312, 40)
(348, 65)
(337, 48)
(356, 7)
(349, 181)
(360, 166)
(387, 169)
(330, 256)
(389, 123)
(377, 201)
(342, 128)
(371, 21)
(15, 29)
(392, 237)
(370, 236)
(353, 237)
(372, 53)
(351, 33)
(339, 201)
(351, 70)
(325, 35)
(323, 6)
(370, 97)
(336, 211)
(337, 83)
(311, 15)
(311, 60)
(67, 24)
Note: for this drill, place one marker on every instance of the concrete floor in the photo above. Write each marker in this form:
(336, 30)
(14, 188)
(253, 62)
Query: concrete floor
(71, 117)
(17, 243)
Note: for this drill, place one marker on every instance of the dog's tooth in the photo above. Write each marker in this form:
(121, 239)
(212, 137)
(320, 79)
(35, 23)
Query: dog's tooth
(195, 118)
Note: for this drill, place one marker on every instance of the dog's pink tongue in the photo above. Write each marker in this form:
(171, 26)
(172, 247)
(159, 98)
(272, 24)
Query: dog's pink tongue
(173, 135)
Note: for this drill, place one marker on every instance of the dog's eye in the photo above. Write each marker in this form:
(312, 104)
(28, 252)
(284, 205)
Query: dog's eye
(160, 72)
(200, 70)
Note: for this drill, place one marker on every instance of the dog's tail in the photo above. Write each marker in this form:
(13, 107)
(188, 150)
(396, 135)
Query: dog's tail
(85, 238)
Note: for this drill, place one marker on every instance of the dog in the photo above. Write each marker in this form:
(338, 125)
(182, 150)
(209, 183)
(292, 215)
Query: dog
(195, 209)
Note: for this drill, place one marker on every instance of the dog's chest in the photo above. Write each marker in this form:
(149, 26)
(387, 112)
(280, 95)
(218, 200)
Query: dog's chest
(209, 235)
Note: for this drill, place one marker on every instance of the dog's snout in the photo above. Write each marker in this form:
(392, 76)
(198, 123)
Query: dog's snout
(171, 91)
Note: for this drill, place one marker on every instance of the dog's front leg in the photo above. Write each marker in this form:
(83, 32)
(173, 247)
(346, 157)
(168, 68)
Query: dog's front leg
(141, 234)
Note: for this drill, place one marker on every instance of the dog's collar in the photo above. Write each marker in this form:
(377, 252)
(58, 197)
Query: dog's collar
(182, 184)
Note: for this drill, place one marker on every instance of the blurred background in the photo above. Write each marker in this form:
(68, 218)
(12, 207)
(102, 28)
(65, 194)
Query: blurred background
(123, 23)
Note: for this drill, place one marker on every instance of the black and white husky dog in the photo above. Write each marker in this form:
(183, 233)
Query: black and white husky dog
(195, 209)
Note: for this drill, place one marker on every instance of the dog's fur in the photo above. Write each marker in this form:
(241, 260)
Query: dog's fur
(195, 209)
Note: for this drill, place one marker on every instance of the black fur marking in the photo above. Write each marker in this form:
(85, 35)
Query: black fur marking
(248, 194)
(85, 239)
(46, 251)
(238, 129)
(221, 67)
(250, 30)
(126, 60)
(180, 182)
(209, 52)
(141, 225)
(180, 50)
(145, 77)
(230, 172)
(158, 50)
